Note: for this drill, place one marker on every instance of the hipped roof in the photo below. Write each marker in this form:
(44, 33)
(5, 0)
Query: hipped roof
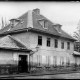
(9, 42)
(30, 20)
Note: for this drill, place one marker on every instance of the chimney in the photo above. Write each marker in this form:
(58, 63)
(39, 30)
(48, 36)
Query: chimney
(37, 11)
(58, 27)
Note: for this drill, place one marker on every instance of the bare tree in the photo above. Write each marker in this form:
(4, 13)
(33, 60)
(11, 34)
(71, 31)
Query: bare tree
(76, 34)
(3, 23)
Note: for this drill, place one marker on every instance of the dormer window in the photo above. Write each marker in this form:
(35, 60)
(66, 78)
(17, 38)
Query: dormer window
(43, 23)
(57, 27)
(14, 22)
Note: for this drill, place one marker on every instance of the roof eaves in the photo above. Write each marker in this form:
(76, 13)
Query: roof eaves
(45, 32)
(33, 29)
(14, 31)
(15, 49)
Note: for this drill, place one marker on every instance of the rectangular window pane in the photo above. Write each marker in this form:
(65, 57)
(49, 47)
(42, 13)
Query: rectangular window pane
(39, 40)
(62, 45)
(68, 45)
(46, 25)
(48, 42)
(56, 43)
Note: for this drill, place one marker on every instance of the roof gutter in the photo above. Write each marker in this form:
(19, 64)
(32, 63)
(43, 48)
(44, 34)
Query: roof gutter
(15, 49)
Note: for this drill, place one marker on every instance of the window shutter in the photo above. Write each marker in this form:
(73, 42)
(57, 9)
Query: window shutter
(37, 60)
(48, 60)
(54, 60)
(61, 61)
(67, 61)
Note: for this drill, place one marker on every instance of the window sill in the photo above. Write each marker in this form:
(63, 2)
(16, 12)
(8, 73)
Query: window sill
(39, 45)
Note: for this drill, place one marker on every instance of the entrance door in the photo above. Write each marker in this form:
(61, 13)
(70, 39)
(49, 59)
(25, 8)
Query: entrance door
(23, 64)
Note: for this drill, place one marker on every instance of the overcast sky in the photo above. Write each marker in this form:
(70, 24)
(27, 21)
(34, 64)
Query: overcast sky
(65, 13)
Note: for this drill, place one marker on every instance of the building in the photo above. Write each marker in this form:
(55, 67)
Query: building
(77, 46)
(32, 40)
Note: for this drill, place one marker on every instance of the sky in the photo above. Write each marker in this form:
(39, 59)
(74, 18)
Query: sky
(65, 13)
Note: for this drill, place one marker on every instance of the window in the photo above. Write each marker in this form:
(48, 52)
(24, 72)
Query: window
(68, 45)
(56, 43)
(48, 42)
(39, 40)
(43, 23)
(61, 61)
(47, 60)
(31, 60)
(14, 22)
(39, 60)
(62, 45)
(67, 61)
(55, 60)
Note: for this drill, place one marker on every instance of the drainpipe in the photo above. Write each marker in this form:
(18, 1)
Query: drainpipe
(29, 64)
(31, 53)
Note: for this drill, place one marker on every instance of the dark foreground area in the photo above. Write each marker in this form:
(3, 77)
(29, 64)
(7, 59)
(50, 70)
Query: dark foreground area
(50, 76)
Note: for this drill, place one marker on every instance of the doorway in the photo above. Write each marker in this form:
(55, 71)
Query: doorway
(23, 63)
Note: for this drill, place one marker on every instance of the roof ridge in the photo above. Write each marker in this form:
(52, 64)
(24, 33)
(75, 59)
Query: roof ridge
(30, 19)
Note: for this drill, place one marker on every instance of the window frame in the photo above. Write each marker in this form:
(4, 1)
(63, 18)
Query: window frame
(56, 43)
(44, 23)
(62, 44)
(68, 45)
(39, 42)
(48, 43)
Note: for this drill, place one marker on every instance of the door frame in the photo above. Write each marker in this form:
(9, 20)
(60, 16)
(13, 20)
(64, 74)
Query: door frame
(28, 60)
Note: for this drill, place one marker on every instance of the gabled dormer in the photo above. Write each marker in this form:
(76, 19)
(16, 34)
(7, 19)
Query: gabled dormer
(57, 27)
(14, 22)
(43, 23)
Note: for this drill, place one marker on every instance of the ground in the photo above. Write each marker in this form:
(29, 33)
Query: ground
(56, 76)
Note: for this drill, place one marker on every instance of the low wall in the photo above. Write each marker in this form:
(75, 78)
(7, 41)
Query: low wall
(8, 69)
(13, 69)
(36, 67)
